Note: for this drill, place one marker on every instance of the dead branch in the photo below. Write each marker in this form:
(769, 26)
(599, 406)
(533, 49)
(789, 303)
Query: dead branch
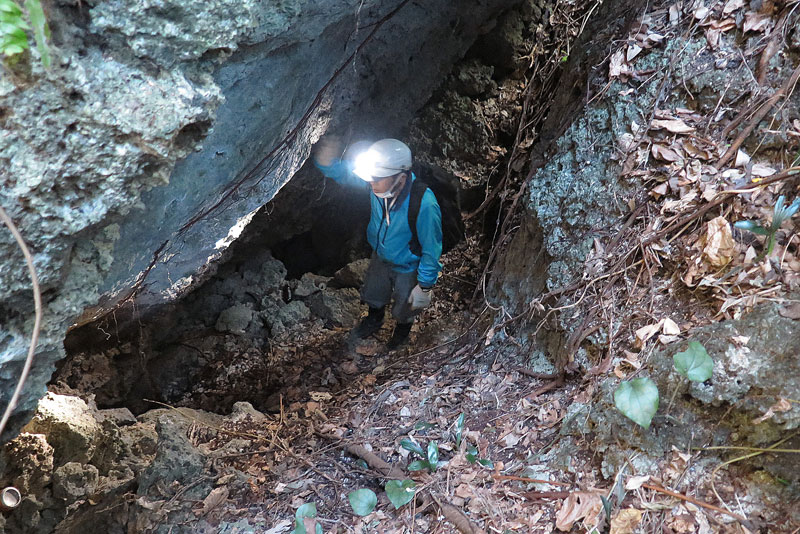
(702, 504)
(772, 47)
(791, 172)
(541, 495)
(785, 90)
(529, 480)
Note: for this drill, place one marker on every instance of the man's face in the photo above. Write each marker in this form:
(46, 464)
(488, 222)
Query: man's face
(385, 184)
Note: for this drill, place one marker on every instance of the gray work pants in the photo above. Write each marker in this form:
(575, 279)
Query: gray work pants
(382, 284)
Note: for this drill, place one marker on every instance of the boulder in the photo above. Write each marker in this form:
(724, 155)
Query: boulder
(69, 427)
(235, 319)
(118, 416)
(29, 463)
(351, 275)
(177, 459)
(282, 317)
(337, 307)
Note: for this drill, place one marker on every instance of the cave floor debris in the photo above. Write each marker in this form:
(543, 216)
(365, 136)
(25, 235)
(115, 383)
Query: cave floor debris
(300, 454)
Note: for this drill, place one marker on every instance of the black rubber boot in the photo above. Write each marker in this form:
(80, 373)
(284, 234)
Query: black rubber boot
(370, 324)
(400, 336)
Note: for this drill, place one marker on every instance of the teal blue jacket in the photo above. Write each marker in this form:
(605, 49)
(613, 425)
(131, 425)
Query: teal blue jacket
(389, 234)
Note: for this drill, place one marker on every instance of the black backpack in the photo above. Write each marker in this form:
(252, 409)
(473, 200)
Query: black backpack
(445, 187)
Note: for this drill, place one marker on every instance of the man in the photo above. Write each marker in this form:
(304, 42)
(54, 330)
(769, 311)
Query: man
(394, 272)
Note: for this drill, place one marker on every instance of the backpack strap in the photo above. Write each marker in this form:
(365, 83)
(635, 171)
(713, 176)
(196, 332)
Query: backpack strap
(418, 189)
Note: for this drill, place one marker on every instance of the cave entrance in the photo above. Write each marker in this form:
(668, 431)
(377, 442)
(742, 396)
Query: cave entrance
(269, 321)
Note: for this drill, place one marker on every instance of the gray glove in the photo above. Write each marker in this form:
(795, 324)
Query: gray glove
(420, 298)
(327, 150)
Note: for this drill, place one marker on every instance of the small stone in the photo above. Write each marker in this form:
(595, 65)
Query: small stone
(235, 319)
(73, 481)
(309, 284)
(244, 410)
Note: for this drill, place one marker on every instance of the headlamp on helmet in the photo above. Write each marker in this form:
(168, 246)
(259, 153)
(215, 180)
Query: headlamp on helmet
(384, 158)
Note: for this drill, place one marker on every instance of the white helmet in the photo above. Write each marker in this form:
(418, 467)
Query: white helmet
(384, 158)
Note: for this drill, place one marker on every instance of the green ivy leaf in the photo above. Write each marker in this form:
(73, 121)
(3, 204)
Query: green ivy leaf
(409, 445)
(418, 465)
(751, 226)
(472, 454)
(433, 455)
(694, 363)
(307, 510)
(486, 463)
(400, 492)
(459, 429)
(362, 501)
(637, 400)
(41, 31)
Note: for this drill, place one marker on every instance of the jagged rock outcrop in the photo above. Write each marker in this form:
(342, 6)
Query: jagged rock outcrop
(136, 159)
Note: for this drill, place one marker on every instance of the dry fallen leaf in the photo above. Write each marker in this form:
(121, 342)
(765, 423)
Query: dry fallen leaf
(674, 126)
(742, 159)
(670, 327)
(756, 22)
(635, 483)
(783, 405)
(626, 521)
(790, 312)
(214, 499)
(719, 244)
(280, 527)
(665, 153)
(632, 52)
(646, 332)
(674, 14)
(618, 67)
(731, 6)
(578, 505)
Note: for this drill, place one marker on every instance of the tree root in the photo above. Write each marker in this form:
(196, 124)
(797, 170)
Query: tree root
(457, 517)
(374, 461)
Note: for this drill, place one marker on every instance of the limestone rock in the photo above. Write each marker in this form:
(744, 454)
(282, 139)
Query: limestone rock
(309, 284)
(473, 78)
(766, 364)
(73, 481)
(352, 274)
(235, 319)
(29, 460)
(69, 427)
(118, 416)
(142, 440)
(177, 459)
(337, 307)
(244, 410)
(281, 317)
(136, 156)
